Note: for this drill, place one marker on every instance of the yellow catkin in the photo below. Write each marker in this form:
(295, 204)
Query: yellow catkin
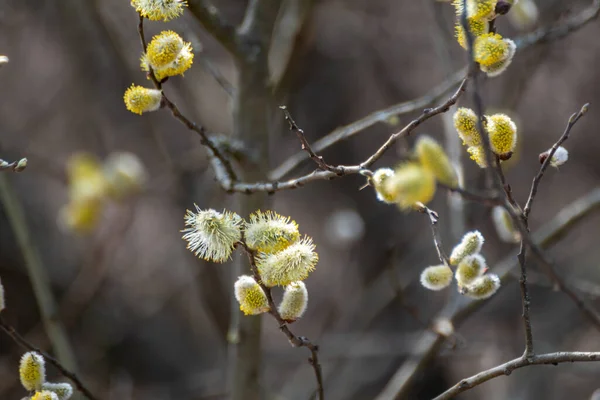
(139, 99)
(411, 184)
(490, 49)
(32, 370)
(465, 123)
(250, 296)
(436, 277)
(478, 27)
(502, 132)
(433, 158)
(269, 232)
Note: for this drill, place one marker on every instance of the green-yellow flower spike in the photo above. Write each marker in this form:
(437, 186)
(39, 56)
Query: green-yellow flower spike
(45, 395)
(294, 302)
(504, 225)
(465, 122)
(2, 301)
(437, 277)
(477, 8)
(86, 178)
(411, 184)
(270, 232)
(249, 294)
(212, 235)
(157, 10)
(379, 180)
(32, 371)
(63, 391)
(501, 66)
(477, 154)
(503, 135)
(470, 268)
(291, 264)
(490, 49)
(470, 244)
(168, 55)
(483, 287)
(139, 99)
(478, 27)
(433, 158)
(80, 216)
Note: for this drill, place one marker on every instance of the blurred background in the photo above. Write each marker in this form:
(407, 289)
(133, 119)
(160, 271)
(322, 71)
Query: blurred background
(148, 320)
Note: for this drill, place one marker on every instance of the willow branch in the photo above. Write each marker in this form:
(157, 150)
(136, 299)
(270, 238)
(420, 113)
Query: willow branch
(214, 23)
(509, 367)
(10, 331)
(15, 166)
(295, 341)
(437, 241)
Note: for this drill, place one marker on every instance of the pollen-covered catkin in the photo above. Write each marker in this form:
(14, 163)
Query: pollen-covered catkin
(470, 244)
(433, 158)
(139, 99)
(501, 66)
(250, 296)
(294, 302)
(490, 49)
(411, 184)
(269, 232)
(45, 395)
(156, 10)
(483, 287)
(436, 277)
(63, 391)
(168, 55)
(477, 154)
(502, 132)
(478, 27)
(32, 370)
(212, 235)
(470, 268)
(465, 122)
(294, 263)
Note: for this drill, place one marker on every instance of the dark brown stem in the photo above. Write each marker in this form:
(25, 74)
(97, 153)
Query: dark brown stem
(10, 331)
(295, 341)
(437, 241)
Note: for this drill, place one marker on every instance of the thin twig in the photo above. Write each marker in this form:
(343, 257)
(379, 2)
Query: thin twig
(222, 166)
(296, 341)
(15, 166)
(437, 241)
(305, 145)
(10, 331)
(536, 181)
(509, 367)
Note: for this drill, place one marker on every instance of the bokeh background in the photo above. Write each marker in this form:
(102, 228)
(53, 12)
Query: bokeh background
(148, 320)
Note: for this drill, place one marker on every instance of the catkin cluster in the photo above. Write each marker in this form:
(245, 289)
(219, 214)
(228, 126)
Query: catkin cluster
(166, 55)
(471, 277)
(500, 128)
(491, 51)
(32, 372)
(415, 181)
(279, 254)
(92, 184)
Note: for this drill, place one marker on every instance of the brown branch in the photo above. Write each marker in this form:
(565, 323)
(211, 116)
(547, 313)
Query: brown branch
(305, 145)
(222, 167)
(350, 130)
(536, 181)
(10, 331)
(295, 341)
(15, 166)
(545, 237)
(208, 15)
(437, 241)
(561, 28)
(509, 367)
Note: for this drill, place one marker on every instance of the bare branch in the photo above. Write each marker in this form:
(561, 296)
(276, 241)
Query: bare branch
(561, 28)
(437, 241)
(296, 341)
(350, 130)
(509, 367)
(10, 331)
(257, 27)
(305, 145)
(209, 16)
(536, 181)
(15, 166)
